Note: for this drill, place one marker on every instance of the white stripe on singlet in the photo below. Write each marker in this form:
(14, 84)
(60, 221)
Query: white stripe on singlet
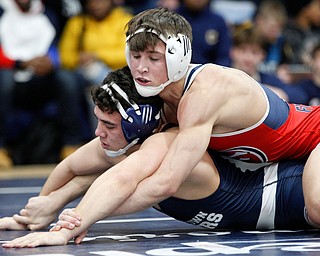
(192, 72)
(268, 206)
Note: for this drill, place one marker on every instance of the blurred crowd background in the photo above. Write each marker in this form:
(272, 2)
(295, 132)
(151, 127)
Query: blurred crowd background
(53, 51)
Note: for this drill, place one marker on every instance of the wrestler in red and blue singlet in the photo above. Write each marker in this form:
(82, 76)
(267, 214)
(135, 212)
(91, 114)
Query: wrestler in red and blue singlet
(286, 131)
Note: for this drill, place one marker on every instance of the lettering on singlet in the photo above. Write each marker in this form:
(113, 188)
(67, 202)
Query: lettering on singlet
(303, 108)
(245, 153)
(206, 220)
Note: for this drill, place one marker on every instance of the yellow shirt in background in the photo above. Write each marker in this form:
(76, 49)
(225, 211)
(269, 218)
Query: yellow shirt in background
(106, 39)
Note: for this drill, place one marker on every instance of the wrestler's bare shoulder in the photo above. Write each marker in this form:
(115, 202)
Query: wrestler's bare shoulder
(218, 77)
(226, 94)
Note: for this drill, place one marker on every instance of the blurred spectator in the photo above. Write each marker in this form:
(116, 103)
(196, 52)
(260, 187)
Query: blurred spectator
(211, 36)
(29, 71)
(269, 22)
(235, 12)
(301, 30)
(135, 6)
(309, 89)
(93, 43)
(169, 4)
(248, 52)
(64, 9)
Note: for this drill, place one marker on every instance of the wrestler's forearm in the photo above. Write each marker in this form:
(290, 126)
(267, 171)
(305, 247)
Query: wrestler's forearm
(102, 198)
(60, 176)
(138, 201)
(63, 173)
(87, 160)
(73, 189)
(113, 188)
(37, 215)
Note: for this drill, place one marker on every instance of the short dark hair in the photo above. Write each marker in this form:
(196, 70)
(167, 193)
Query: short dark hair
(162, 21)
(246, 34)
(123, 78)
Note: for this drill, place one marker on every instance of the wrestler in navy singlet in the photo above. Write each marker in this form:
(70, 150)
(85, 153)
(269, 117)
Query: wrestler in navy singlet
(270, 198)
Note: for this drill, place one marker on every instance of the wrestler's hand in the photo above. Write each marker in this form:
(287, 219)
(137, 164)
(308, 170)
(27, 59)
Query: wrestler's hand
(67, 219)
(8, 223)
(37, 239)
(39, 212)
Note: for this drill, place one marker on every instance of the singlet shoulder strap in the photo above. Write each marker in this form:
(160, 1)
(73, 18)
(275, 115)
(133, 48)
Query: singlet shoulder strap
(192, 72)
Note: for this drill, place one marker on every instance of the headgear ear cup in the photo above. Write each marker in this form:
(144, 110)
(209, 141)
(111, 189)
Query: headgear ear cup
(178, 56)
(143, 124)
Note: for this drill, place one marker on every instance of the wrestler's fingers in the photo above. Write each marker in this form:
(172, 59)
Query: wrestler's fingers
(68, 219)
(80, 237)
(64, 224)
(19, 242)
(37, 226)
(23, 212)
(56, 227)
(36, 239)
(69, 213)
(8, 223)
(21, 219)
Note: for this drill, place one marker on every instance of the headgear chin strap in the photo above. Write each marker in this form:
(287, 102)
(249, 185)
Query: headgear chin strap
(138, 122)
(121, 151)
(178, 57)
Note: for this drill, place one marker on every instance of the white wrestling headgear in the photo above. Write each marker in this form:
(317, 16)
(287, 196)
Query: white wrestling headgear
(138, 121)
(178, 57)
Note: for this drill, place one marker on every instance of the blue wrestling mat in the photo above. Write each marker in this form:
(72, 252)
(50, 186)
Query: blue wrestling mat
(152, 233)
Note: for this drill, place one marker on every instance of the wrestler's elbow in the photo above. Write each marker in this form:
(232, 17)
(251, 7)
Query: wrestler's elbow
(169, 190)
(165, 187)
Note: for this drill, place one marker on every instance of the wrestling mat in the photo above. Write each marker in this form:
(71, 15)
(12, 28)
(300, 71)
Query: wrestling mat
(152, 233)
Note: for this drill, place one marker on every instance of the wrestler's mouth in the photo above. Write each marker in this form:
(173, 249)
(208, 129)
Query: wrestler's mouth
(142, 81)
(104, 145)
